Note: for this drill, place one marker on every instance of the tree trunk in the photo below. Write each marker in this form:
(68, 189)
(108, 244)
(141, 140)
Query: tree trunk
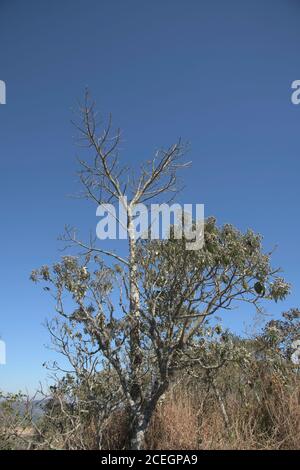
(141, 418)
(222, 405)
(134, 300)
(138, 431)
(137, 440)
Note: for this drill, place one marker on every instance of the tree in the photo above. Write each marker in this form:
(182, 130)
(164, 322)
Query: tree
(283, 335)
(166, 293)
(84, 394)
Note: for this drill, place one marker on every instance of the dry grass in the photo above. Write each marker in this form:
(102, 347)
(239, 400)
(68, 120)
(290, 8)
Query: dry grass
(175, 424)
(268, 418)
(262, 406)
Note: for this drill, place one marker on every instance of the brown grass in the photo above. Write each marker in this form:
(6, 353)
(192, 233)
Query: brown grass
(266, 418)
(175, 424)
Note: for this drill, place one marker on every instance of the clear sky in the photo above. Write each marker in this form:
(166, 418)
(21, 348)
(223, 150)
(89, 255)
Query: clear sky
(216, 73)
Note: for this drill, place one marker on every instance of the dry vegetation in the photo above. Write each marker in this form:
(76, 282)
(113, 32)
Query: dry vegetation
(270, 420)
(262, 411)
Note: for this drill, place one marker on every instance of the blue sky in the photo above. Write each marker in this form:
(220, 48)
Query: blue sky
(216, 73)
